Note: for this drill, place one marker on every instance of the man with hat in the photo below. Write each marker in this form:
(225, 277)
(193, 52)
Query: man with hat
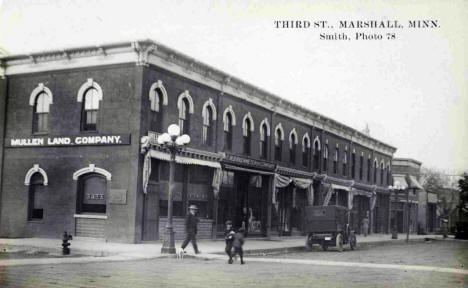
(191, 222)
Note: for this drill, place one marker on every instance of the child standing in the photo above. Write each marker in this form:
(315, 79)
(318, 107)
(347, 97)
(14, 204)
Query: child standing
(237, 243)
(229, 238)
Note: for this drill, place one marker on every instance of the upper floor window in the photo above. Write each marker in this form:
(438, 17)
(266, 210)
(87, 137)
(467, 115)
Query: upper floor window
(40, 99)
(375, 171)
(158, 99)
(247, 136)
(361, 166)
(209, 116)
(90, 110)
(316, 154)
(41, 113)
(279, 142)
(228, 132)
(345, 163)
(185, 106)
(382, 173)
(305, 150)
(353, 165)
(369, 169)
(335, 160)
(389, 175)
(292, 146)
(325, 158)
(264, 140)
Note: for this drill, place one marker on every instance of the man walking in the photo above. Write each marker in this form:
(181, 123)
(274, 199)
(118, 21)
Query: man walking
(365, 224)
(191, 223)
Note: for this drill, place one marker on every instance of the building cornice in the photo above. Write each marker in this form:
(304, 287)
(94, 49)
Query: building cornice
(148, 52)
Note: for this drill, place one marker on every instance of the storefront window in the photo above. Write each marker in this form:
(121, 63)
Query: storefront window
(36, 197)
(92, 193)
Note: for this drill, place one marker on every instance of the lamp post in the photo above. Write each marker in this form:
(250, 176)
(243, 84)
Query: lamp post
(174, 142)
(398, 188)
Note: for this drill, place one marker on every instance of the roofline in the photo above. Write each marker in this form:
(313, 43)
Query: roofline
(227, 78)
(407, 159)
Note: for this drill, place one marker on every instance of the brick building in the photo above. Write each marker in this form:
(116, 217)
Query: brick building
(71, 157)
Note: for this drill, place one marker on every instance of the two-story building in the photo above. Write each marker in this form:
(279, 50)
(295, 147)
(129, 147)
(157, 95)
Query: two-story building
(71, 157)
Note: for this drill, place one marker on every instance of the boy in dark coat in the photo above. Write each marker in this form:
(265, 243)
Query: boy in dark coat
(237, 243)
(229, 238)
(191, 222)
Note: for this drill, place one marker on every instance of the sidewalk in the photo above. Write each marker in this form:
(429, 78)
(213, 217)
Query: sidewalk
(101, 251)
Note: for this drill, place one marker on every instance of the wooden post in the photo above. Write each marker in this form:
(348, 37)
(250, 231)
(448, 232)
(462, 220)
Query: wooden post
(271, 190)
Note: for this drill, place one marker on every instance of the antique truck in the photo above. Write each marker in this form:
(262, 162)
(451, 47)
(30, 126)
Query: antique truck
(328, 226)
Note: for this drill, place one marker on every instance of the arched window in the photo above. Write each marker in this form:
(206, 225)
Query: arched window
(184, 116)
(335, 160)
(369, 169)
(90, 110)
(228, 132)
(292, 147)
(375, 171)
(345, 163)
(353, 165)
(41, 113)
(208, 126)
(325, 158)
(389, 175)
(263, 141)
(316, 154)
(361, 166)
(382, 173)
(157, 111)
(36, 197)
(92, 193)
(278, 143)
(305, 150)
(247, 136)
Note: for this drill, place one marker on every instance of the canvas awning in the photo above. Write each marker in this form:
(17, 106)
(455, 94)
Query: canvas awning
(400, 181)
(414, 183)
(341, 187)
(184, 160)
(237, 168)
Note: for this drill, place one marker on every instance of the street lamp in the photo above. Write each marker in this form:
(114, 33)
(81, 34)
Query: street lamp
(174, 142)
(398, 188)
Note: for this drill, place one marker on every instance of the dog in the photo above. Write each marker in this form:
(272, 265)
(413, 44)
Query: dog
(180, 253)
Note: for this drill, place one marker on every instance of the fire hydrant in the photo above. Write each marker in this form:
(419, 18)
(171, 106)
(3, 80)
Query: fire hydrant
(65, 244)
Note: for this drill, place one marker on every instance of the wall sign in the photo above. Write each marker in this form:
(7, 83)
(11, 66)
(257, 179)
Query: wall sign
(249, 162)
(82, 140)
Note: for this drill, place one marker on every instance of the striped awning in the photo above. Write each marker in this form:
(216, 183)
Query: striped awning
(184, 160)
(237, 168)
(400, 181)
(414, 183)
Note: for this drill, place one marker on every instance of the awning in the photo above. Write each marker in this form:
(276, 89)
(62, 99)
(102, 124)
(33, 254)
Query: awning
(414, 183)
(361, 192)
(184, 160)
(237, 168)
(400, 181)
(341, 187)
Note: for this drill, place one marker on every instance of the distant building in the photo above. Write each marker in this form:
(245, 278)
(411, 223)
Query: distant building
(71, 156)
(423, 204)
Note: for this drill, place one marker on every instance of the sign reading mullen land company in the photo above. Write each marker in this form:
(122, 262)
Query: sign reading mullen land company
(81, 140)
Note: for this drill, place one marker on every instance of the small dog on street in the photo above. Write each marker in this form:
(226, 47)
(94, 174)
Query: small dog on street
(180, 253)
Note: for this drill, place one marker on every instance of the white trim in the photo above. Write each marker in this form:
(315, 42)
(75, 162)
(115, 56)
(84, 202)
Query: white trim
(280, 127)
(252, 124)
(233, 115)
(306, 135)
(30, 173)
(90, 216)
(39, 89)
(89, 84)
(92, 169)
(317, 140)
(187, 96)
(152, 93)
(213, 108)
(293, 131)
(265, 121)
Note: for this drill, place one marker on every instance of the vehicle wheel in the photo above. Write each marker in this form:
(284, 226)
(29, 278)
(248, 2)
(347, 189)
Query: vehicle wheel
(339, 242)
(324, 246)
(308, 243)
(352, 241)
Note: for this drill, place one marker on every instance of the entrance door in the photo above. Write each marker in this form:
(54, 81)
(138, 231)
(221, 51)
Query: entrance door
(151, 219)
(400, 221)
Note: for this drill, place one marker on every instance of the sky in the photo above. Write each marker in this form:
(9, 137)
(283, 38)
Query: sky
(412, 90)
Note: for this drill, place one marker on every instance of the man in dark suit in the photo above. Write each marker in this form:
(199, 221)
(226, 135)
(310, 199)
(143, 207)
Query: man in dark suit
(191, 223)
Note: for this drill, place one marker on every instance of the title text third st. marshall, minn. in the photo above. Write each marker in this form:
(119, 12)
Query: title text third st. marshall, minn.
(360, 29)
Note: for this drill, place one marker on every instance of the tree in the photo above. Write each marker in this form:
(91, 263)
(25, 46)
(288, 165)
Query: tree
(433, 180)
(463, 186)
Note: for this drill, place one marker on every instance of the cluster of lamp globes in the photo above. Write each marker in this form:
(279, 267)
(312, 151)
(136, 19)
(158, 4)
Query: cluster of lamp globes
(173, 137)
